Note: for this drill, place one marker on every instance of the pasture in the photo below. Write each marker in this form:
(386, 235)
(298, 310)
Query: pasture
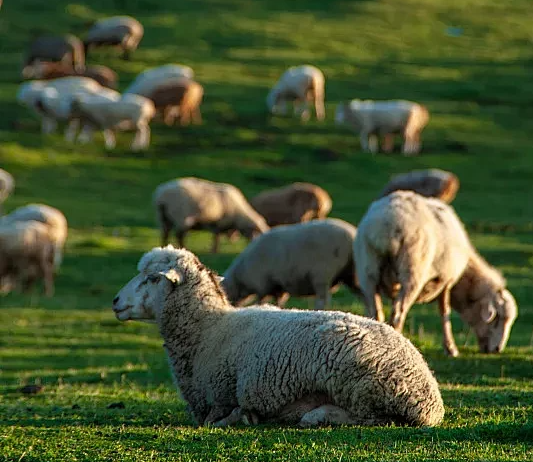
(107, 392)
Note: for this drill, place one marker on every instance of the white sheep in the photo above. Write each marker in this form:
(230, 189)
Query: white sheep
(51, 99)
(264, 364)
(146, 82)
(415, 250)
(432, 182)
(193, 203)
(111, 113)
(122, 31)
(303, 259)
(300, 85)
(7, 184)
(26, 253)
(372, 119)
(51, 217)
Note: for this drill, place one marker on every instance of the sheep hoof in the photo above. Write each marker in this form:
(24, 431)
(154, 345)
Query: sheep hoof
(452, 351)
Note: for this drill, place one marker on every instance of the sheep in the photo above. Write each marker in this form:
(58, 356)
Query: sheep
(47, 70)
(67, 49)
(122, 31)
(146, 82)
(430, 183)
(50, 100)
(415, 249)
(384, 118)
(27, 253)
(272, 365)
(294, 203)
(194, 203)
(112, 113)
(7, 184)
(300, 85)
(179, 98)
(283, 262)
(49, 216)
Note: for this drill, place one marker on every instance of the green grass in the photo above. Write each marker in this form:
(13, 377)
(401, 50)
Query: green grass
(479, 90)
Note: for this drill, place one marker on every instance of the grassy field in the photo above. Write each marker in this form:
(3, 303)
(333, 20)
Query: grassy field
(108, 394)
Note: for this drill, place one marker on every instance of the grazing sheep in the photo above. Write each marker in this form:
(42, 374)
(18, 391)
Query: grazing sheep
(301, 85)
(27, 253)
(384, 118)
(146, 82)
(122, 31)
(111, 113)
(47, 70)
(272, 365)
(305, 259)
(7, 184)
(50, 100)
(67, 49)
(415, 250)
(429, 183)
(178, 98)
(51, 217)
(193, 203)
(294, 203)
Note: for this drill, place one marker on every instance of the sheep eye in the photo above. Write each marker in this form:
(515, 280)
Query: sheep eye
(152, 278)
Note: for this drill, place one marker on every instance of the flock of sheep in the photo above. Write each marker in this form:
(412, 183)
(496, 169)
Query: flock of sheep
(64, 89)
(262, 363)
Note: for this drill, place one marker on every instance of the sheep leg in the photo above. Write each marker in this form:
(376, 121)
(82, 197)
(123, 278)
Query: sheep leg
(86, 134)
(185, 116)
(180, 238)
(323, 297)
(196, 116)
(109, 139)
(445, 309)
(237, 416)
(412, 143)
(402, 303)
(216, 243)
(328, 414)
(388, 143)
(169, 116)
(373, 143)
(368, 142)
(319, 107)
(282, 298)
(143, 140)
(48, 125)
(368, 282)
(72, 129)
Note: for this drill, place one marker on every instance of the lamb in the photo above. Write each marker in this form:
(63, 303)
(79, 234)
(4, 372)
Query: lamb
(264, 364)
(384, 118)
(7, 184)
(27, 253)
(300, 85)
(415, 250)
(283, 262)
(178, 98)
(67, 49)
(294, 203)
(146, 82)
(49, 216)
(112, 113)
(194, 203)
(47, 70)
(430, 183)
(122, 31)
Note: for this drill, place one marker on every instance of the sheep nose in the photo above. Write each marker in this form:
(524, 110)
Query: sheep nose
(115, 300)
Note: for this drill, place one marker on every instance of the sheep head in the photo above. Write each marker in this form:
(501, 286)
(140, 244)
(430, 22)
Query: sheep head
(491, 318)
(340, 113)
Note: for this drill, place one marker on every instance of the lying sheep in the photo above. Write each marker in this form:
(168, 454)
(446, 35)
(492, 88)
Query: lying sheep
(193, 203)
(415, 250)
(67, 49)
(283, 262)
(49, 216)
(146, 82)
(46, 70)
(26, 254)
(263, 364)
(7, 184)
(178, 98)
(300, 85)
(51, 100)
(110, 114)
(122, 31)
(430, 183)
(384, 118)
(295, 203)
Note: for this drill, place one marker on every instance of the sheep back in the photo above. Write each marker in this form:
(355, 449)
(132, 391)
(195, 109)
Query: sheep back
(67, 48)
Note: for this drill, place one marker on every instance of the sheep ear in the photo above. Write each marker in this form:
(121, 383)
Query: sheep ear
(172, 275)
(488, 313)
(220, 278)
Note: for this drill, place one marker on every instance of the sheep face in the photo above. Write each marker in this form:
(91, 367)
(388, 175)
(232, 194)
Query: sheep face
(142, 297)
(492, 318)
